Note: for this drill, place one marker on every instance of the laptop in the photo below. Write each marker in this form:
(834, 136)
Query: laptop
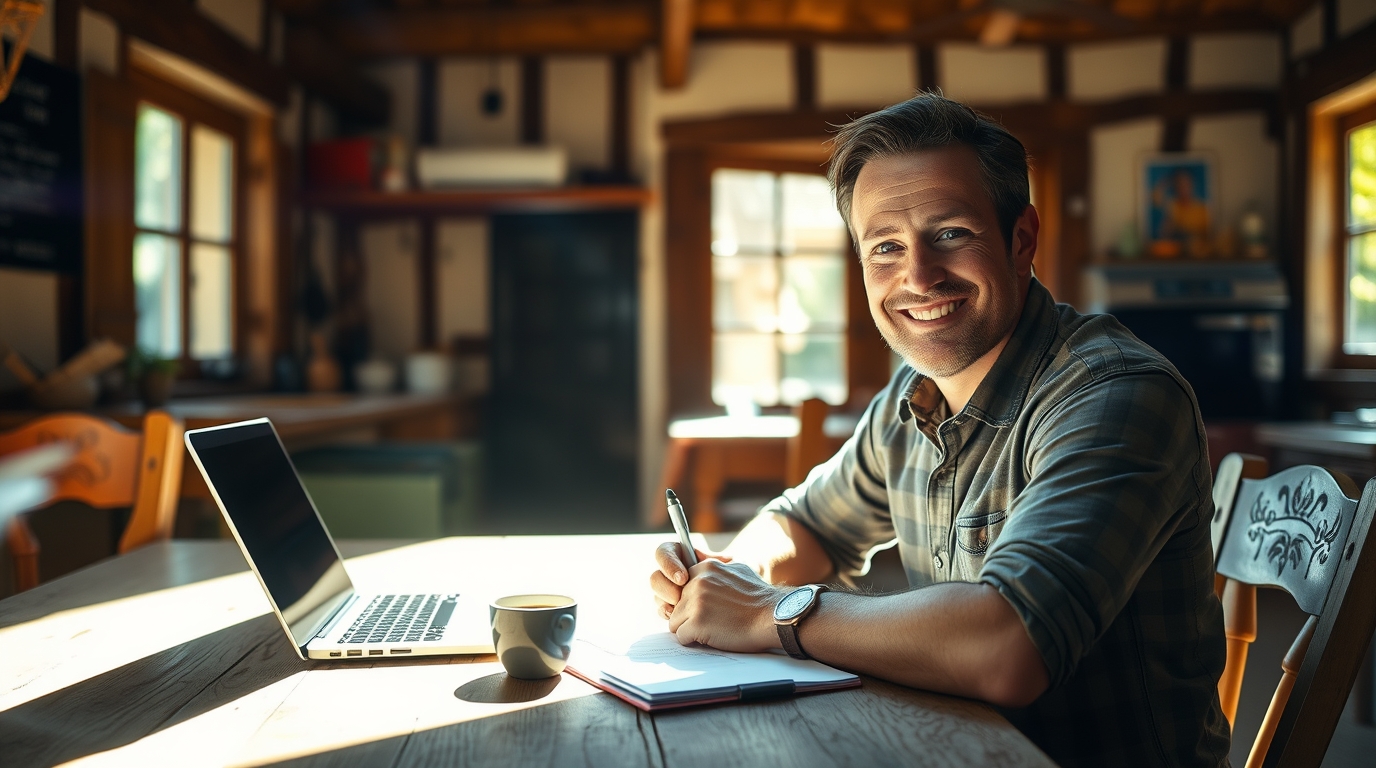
(290, 551)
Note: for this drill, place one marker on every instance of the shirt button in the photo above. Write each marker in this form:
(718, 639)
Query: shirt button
(936, 560)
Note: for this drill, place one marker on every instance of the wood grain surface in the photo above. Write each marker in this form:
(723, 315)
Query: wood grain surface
(169, 656)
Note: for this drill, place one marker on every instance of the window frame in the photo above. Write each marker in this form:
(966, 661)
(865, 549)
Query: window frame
(191, 110)
(688, 274)
(1343, 125)
(778, 258)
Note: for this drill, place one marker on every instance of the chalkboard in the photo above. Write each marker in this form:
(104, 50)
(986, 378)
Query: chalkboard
(40, 169)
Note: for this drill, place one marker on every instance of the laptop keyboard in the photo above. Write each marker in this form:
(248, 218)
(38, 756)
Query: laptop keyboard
(402, 619)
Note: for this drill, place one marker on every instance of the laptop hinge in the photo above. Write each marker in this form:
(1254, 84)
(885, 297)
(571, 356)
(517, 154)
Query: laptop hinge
(340, 611)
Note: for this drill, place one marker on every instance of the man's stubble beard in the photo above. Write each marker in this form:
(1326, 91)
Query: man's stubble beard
(947, 352)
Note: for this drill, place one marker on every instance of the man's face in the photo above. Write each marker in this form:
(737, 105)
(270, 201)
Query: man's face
(941, 283)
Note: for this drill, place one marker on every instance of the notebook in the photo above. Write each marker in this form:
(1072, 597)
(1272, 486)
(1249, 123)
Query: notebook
(654, 672)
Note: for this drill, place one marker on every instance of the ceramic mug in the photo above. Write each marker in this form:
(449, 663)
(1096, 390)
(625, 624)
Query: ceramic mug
(533, 633)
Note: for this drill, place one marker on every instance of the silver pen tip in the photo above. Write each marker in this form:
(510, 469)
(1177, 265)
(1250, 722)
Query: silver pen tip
(669, 497)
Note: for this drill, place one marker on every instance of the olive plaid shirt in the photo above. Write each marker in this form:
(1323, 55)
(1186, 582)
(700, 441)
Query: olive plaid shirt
(1076, 482)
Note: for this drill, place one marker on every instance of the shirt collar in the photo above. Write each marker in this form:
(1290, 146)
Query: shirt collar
(999, 398)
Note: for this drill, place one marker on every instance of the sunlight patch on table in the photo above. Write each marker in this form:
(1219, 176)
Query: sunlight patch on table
(204, 740)
(67, 647)
(341, 708)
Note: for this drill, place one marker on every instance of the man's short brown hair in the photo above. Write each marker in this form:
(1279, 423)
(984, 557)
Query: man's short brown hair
(927, 121)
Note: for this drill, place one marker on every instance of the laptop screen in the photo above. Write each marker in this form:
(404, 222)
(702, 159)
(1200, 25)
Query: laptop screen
(276, 523)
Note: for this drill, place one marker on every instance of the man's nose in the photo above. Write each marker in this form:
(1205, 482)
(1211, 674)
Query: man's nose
(925, 269)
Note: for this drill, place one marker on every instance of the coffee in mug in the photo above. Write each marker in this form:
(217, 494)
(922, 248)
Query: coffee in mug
(533, 634)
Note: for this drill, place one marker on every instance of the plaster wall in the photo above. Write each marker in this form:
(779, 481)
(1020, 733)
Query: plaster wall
(578, 106)
(1116, 152)
(1247, 162)
(1106, 71)
(99, 46)
(1306, 34)
(461, 86)
(1354, 14)
(865, 75)
(979, 75)
(1246, 60)
(241, 18)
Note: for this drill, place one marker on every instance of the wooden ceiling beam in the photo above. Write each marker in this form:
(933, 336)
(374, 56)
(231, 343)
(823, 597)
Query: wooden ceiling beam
(176, 26)
(675, 42)
(1048, 118)
(517, 30)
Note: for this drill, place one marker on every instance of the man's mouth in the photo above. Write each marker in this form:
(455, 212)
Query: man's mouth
(934, 313)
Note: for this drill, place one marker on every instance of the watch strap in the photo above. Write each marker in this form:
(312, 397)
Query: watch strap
(788, 637)
(788, 630)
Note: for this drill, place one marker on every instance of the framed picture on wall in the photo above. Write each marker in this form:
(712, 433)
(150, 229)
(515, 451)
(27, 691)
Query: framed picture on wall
(1179, 201)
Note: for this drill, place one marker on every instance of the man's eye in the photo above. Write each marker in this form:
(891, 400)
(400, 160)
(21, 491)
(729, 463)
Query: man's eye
(888, 247)
(952, 234)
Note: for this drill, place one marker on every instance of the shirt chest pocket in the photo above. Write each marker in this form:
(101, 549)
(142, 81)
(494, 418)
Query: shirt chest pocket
(974, 535)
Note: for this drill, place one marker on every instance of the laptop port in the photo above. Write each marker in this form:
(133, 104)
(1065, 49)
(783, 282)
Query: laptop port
(375, 653)
(400, 650)
(335, 653)
(356, 653)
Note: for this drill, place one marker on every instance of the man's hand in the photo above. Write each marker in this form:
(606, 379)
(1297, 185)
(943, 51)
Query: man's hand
(726, 606)
(716, 602)
(668, 580)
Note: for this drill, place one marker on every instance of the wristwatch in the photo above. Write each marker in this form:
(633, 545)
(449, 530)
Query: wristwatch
(791, 610)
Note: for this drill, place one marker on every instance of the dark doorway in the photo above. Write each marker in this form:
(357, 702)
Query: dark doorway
(562, 442)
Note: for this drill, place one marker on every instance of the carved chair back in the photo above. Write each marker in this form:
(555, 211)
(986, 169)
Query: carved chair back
(113, 467)
(1301, 530)
(808, 448)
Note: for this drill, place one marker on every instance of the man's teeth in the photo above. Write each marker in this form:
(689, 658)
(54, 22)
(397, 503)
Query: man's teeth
(934, 312)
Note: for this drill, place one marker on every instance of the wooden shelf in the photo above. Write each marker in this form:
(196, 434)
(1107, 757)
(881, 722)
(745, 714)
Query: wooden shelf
(477, 201)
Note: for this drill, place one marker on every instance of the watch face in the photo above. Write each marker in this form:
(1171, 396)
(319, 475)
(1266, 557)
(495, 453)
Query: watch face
(793, 603)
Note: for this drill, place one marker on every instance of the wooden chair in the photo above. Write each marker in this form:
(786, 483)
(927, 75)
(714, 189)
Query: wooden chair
(1242, 628)
(1304, 531)
(113, 467)
(808, 448)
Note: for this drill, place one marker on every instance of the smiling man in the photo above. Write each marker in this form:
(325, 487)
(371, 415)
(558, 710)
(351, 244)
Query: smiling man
(1043, 472)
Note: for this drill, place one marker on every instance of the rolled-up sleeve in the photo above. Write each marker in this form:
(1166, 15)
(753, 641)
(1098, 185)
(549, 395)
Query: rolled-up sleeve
(844, 501)
(1110, 480)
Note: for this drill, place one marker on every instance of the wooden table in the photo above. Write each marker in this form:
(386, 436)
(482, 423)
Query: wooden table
(167, 656)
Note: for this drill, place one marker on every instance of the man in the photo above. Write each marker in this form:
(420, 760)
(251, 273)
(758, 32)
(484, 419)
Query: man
(1044, 474)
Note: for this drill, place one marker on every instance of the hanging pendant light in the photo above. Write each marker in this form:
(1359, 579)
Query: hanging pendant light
(17, 21)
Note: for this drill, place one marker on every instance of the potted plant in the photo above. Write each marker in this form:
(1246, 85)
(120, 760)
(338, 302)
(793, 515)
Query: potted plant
(155, 376)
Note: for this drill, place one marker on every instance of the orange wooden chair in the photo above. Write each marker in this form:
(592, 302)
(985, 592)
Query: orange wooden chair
(113, 467)
(808, 448)
(1302, 530)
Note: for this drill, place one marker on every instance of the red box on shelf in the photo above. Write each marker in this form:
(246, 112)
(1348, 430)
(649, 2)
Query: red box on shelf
(341, 163)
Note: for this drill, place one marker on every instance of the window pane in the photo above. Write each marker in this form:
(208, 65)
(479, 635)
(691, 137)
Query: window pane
(743, 218)
(810, 220)
(814, 366)
(813, 295)
(745, 290)
(1361, 146)
(158, 170)
(745, 367)
(212, 184)
(1360, 338)
(158, 294)
(211, 294)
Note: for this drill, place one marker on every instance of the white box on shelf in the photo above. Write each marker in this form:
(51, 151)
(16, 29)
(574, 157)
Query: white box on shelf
(491, 166)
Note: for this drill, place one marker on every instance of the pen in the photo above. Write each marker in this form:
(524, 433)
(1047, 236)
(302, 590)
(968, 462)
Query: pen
(680, 522)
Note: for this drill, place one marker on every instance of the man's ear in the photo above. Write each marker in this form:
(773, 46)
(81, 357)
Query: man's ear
(1025, 231)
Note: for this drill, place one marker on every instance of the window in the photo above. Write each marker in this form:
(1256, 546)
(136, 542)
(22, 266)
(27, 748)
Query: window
(1358, 233)
(185, 244)
(779, 251)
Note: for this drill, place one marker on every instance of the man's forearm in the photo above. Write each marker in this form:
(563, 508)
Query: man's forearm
(782, 551)
(957, 638)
